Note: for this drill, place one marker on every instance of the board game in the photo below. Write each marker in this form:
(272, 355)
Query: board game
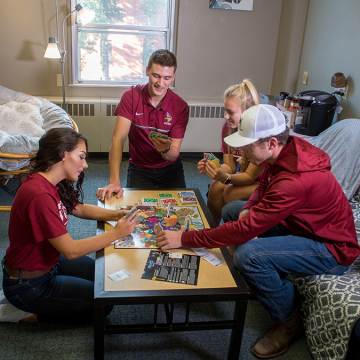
(149, 216)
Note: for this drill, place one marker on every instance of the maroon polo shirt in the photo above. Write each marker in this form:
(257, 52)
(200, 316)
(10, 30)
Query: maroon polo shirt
(170, 118)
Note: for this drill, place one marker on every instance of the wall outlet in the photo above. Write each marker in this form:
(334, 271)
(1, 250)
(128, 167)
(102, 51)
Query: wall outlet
(345, 92)
(58, 80)
(305, 77)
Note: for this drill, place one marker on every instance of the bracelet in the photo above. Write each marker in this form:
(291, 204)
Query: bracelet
(164, 152)
(227, 179)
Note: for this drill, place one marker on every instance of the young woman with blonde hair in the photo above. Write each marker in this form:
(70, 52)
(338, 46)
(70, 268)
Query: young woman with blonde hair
(236, 179)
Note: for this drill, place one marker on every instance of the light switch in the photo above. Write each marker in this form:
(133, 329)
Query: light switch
(305, 77)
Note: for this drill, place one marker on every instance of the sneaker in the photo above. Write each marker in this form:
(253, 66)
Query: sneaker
(9, 313)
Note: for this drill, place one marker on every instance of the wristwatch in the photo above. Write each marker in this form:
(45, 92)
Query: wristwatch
(164, 152)
(227, 179)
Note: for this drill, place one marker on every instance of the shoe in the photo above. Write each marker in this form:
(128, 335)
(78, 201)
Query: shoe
(277, 340)
(9, 313)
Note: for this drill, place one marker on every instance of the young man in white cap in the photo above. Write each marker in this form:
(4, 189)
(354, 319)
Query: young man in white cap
(298, 221)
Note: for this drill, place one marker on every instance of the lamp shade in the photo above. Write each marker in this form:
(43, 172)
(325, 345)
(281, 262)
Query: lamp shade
(52, 50)
(85, 15)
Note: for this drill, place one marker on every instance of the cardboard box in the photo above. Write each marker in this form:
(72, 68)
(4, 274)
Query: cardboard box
(290, 115)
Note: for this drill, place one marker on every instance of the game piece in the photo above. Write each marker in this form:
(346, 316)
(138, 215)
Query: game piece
(168, 210)
(133, 209)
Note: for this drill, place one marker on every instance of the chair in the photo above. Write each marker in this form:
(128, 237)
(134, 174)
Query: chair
(17, 151)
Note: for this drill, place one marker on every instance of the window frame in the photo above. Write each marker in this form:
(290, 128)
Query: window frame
(171, 35)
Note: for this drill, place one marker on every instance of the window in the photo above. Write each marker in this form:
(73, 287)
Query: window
(115, 47)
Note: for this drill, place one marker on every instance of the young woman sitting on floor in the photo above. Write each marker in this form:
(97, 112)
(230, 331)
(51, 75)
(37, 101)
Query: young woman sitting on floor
(232, 181)
(46, 272)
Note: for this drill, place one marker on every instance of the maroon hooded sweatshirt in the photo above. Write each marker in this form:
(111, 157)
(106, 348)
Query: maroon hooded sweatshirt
(300, 192)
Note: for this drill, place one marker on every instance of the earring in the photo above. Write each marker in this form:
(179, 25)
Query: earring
(63, 159)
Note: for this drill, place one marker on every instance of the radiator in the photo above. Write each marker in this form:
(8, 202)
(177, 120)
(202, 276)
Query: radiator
(95, 119)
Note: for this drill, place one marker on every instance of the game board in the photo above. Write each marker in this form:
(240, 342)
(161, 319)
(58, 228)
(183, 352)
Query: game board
(149, 216)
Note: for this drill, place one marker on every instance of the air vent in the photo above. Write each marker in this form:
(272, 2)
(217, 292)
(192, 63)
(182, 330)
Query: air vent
(110, 110)
(214, 112)
(80, 109)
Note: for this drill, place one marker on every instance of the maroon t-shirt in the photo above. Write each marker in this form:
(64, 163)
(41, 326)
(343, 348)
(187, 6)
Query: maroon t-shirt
(37, 214)
(170, 119)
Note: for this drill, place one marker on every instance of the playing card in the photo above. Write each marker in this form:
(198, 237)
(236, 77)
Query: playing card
(158, 228)
(157, 135)
(119, 275)
(149, 201)
(188, 199)
(166, 196)
(131, 210)
(172, 201)
(213, 260)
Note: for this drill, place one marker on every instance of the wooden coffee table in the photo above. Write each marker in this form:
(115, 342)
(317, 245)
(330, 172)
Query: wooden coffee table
(222, 283)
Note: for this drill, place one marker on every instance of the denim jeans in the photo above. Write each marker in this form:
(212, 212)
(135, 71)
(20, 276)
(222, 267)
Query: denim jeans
(170, 176)
(264, 263)
(65, 294)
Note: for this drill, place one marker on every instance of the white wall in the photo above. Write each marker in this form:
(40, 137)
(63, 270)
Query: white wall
(332, 44)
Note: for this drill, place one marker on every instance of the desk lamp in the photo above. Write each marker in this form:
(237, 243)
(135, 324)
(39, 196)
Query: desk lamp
(54, 51)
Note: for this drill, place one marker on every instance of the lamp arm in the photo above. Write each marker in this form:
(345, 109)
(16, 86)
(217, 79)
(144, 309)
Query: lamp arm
(63, 52)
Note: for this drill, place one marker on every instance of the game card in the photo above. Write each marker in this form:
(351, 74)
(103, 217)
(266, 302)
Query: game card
(154, 134)
(119, 275)
(158, 228)
(132, 210)
(170, 267)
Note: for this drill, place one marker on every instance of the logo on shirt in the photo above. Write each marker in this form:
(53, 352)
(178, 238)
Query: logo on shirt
(62, 213)
(168, 119)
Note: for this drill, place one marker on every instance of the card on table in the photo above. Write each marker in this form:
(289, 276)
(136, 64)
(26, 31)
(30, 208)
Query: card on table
(172, 201)
(166, 196)
(188, 199)
(149, 201)
(119, 275)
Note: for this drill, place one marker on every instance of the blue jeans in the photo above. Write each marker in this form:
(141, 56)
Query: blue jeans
(170, 176)
(264, 263)
(65, 294)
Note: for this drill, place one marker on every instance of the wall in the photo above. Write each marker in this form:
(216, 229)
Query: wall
(331, 44)
(215, 48)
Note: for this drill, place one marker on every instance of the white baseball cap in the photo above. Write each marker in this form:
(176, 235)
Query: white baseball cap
(259, 121)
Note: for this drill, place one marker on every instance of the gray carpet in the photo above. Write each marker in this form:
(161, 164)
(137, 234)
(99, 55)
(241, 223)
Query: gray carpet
(45, 341)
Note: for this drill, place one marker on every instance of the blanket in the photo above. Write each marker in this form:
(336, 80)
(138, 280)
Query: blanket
(331, 307)
(17, 118)
(341, 142)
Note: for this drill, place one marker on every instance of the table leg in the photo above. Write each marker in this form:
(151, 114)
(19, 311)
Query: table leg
(99, 323)
(237, 331)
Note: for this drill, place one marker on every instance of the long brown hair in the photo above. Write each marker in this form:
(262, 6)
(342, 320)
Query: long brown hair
(52, 147)
(245, 95)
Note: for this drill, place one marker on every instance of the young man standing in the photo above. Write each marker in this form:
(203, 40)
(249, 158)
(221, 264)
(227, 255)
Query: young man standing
(154, 107)
(298, 221)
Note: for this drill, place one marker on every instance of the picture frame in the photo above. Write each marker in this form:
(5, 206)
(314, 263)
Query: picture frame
(231, 4)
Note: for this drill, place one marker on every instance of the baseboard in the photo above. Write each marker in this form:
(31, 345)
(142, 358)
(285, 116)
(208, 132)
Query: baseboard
(125, 156)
